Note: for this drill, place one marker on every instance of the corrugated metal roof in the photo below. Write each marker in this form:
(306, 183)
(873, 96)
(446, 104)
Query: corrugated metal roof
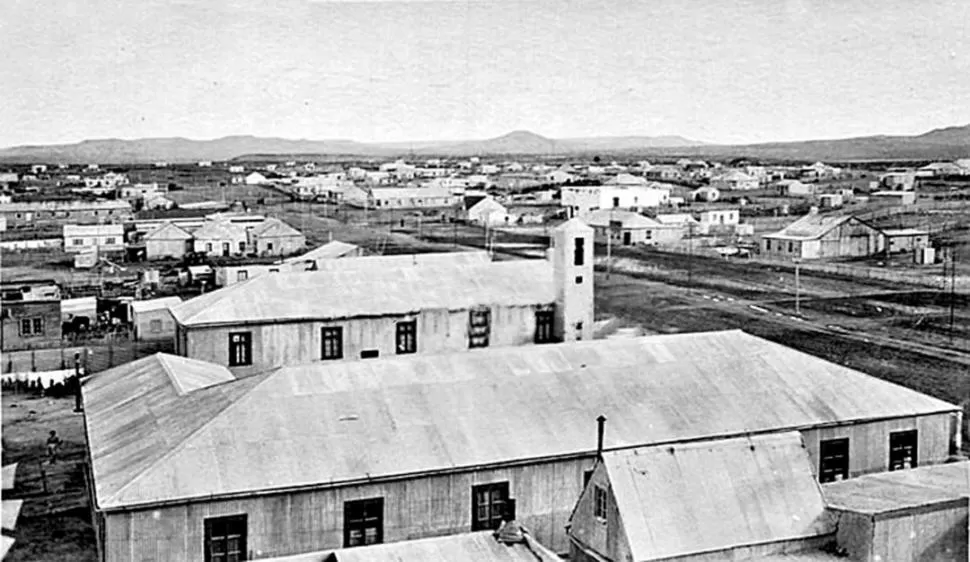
(810, 227)
(902, 489)
(436, 259)
(337, 422)
(275, 228)
(471, 547)
(330, 250)
(136, 415)
(219, 230)
(336, 291)
(711, 496)
(154, 304)
(168, 231)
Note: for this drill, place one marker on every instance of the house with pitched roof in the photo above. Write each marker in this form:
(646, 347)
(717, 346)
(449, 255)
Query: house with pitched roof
(274, 237)
(348, 310)
(167, 241)
(823, 236)
(187, 457)
(221, 238)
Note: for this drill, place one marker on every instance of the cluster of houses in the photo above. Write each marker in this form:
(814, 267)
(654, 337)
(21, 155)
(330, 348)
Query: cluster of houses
(218, 235)
(451, 407)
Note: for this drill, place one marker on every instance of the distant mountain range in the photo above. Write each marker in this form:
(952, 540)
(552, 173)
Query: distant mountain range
(948, 143)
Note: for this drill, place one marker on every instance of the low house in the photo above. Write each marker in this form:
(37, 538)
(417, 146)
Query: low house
(898, 181)
(256, 178)
(939, 170)
(31, 314)
(794, 188)
(274, 237)
(735, 180)
(220, 238)
(904, 515)
(706, 194)
(352, 310)
(624, 228)
(485, 210)
(41, 213)
(100, 238)
(905, 239)
(664, 172)
(411, 198)
(167, 241)
(152, 319)
(831, 200)
(820, 171)
(718, 220)
(184, 453)
(817, 236)
(559, 177)
(897, 198)
(226, 275)
(745, 498)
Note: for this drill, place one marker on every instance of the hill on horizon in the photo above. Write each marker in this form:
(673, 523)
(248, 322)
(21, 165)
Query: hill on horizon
(944, 144)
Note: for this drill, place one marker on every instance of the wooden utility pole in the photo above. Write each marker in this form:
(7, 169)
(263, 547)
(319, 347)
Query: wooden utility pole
(797, 288)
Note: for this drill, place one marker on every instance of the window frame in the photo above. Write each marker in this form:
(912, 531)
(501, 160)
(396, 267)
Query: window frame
(827, 472)
(492, 520)
(545, 326)
(334, 336)
(245, 344)
(601, 502)
(155, 326)
(208, 539)
(359, 520)
(579, 251)
(895, 436)
(406, 337)
(479, 327)
(242, 275)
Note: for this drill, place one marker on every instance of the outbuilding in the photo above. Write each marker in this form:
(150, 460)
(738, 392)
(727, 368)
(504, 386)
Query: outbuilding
(818, 236)
(153, 319)
(167, 241)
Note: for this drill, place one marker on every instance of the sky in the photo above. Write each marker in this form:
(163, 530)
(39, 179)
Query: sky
(712, 70)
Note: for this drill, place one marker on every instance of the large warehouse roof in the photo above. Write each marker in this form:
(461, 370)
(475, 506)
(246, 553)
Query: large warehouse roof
(327, 423)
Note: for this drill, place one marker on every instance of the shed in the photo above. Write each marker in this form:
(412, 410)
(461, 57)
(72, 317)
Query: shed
(486, 211)
(906, 515)
(906, 239)
(167, 241)
(819, 236)
(740, 497)
(274, 237)
(153, 319)
(621, 227)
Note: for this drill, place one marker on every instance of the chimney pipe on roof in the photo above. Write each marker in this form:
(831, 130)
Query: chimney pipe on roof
(600, 422)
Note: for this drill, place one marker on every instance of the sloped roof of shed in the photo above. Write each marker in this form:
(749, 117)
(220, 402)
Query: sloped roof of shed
(710, 496)
(331, 423)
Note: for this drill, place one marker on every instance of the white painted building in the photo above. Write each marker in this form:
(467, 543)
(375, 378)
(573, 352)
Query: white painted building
(103, 237)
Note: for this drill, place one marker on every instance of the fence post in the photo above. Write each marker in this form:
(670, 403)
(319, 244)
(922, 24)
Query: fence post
(77, 382)
(33, 360)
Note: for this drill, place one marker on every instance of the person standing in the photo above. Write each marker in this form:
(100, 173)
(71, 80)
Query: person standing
(53, 443)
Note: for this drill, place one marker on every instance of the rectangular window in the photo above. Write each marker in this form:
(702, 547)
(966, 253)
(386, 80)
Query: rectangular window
(791, 247)
(155, 326)
(240, 349)
(767, 245)
(269, 247)
(333, 342)
(833, 460)
(78, 241)
(363, 522)
(369, 354)
(544, 323)
(109, 241)
(579, 251)
(488, 505)
(242, 275)
(479, 320)
(208, 247)
(599, 502)
(903, 449)
(25, 327)
(407, 337)
(225, 539)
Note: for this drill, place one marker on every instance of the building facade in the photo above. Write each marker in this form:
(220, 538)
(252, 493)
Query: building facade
(300, 458)
(31, 313)
(100, 238)
(65, 212)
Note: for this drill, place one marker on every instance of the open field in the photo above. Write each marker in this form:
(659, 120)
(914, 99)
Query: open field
(54, 526)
